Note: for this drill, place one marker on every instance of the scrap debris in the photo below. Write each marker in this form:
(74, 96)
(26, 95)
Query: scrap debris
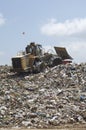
(44, 100)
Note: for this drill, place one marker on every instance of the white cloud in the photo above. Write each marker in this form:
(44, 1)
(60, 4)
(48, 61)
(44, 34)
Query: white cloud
(70, 34)
(67, 28)
(2, 19)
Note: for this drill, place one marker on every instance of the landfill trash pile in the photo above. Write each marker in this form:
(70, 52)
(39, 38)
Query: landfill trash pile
(43, 100)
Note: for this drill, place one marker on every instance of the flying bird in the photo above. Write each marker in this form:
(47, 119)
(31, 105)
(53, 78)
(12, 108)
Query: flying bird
(23, 33)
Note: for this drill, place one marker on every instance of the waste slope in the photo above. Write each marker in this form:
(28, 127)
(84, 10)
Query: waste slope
(44, 100)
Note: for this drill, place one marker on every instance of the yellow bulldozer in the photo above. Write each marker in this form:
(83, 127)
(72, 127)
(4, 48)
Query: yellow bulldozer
(33, 59)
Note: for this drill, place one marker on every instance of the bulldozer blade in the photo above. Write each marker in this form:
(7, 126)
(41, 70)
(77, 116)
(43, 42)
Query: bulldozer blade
(62, 52)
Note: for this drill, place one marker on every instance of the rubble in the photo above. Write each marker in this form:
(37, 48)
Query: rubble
(44, 100)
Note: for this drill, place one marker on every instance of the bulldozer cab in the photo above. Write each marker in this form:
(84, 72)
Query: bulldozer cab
(34, 49)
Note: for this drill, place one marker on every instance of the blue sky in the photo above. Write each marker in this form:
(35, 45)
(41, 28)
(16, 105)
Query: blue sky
(48, 22)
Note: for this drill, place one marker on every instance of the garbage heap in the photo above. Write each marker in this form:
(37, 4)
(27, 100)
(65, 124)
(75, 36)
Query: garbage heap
(44, 100)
